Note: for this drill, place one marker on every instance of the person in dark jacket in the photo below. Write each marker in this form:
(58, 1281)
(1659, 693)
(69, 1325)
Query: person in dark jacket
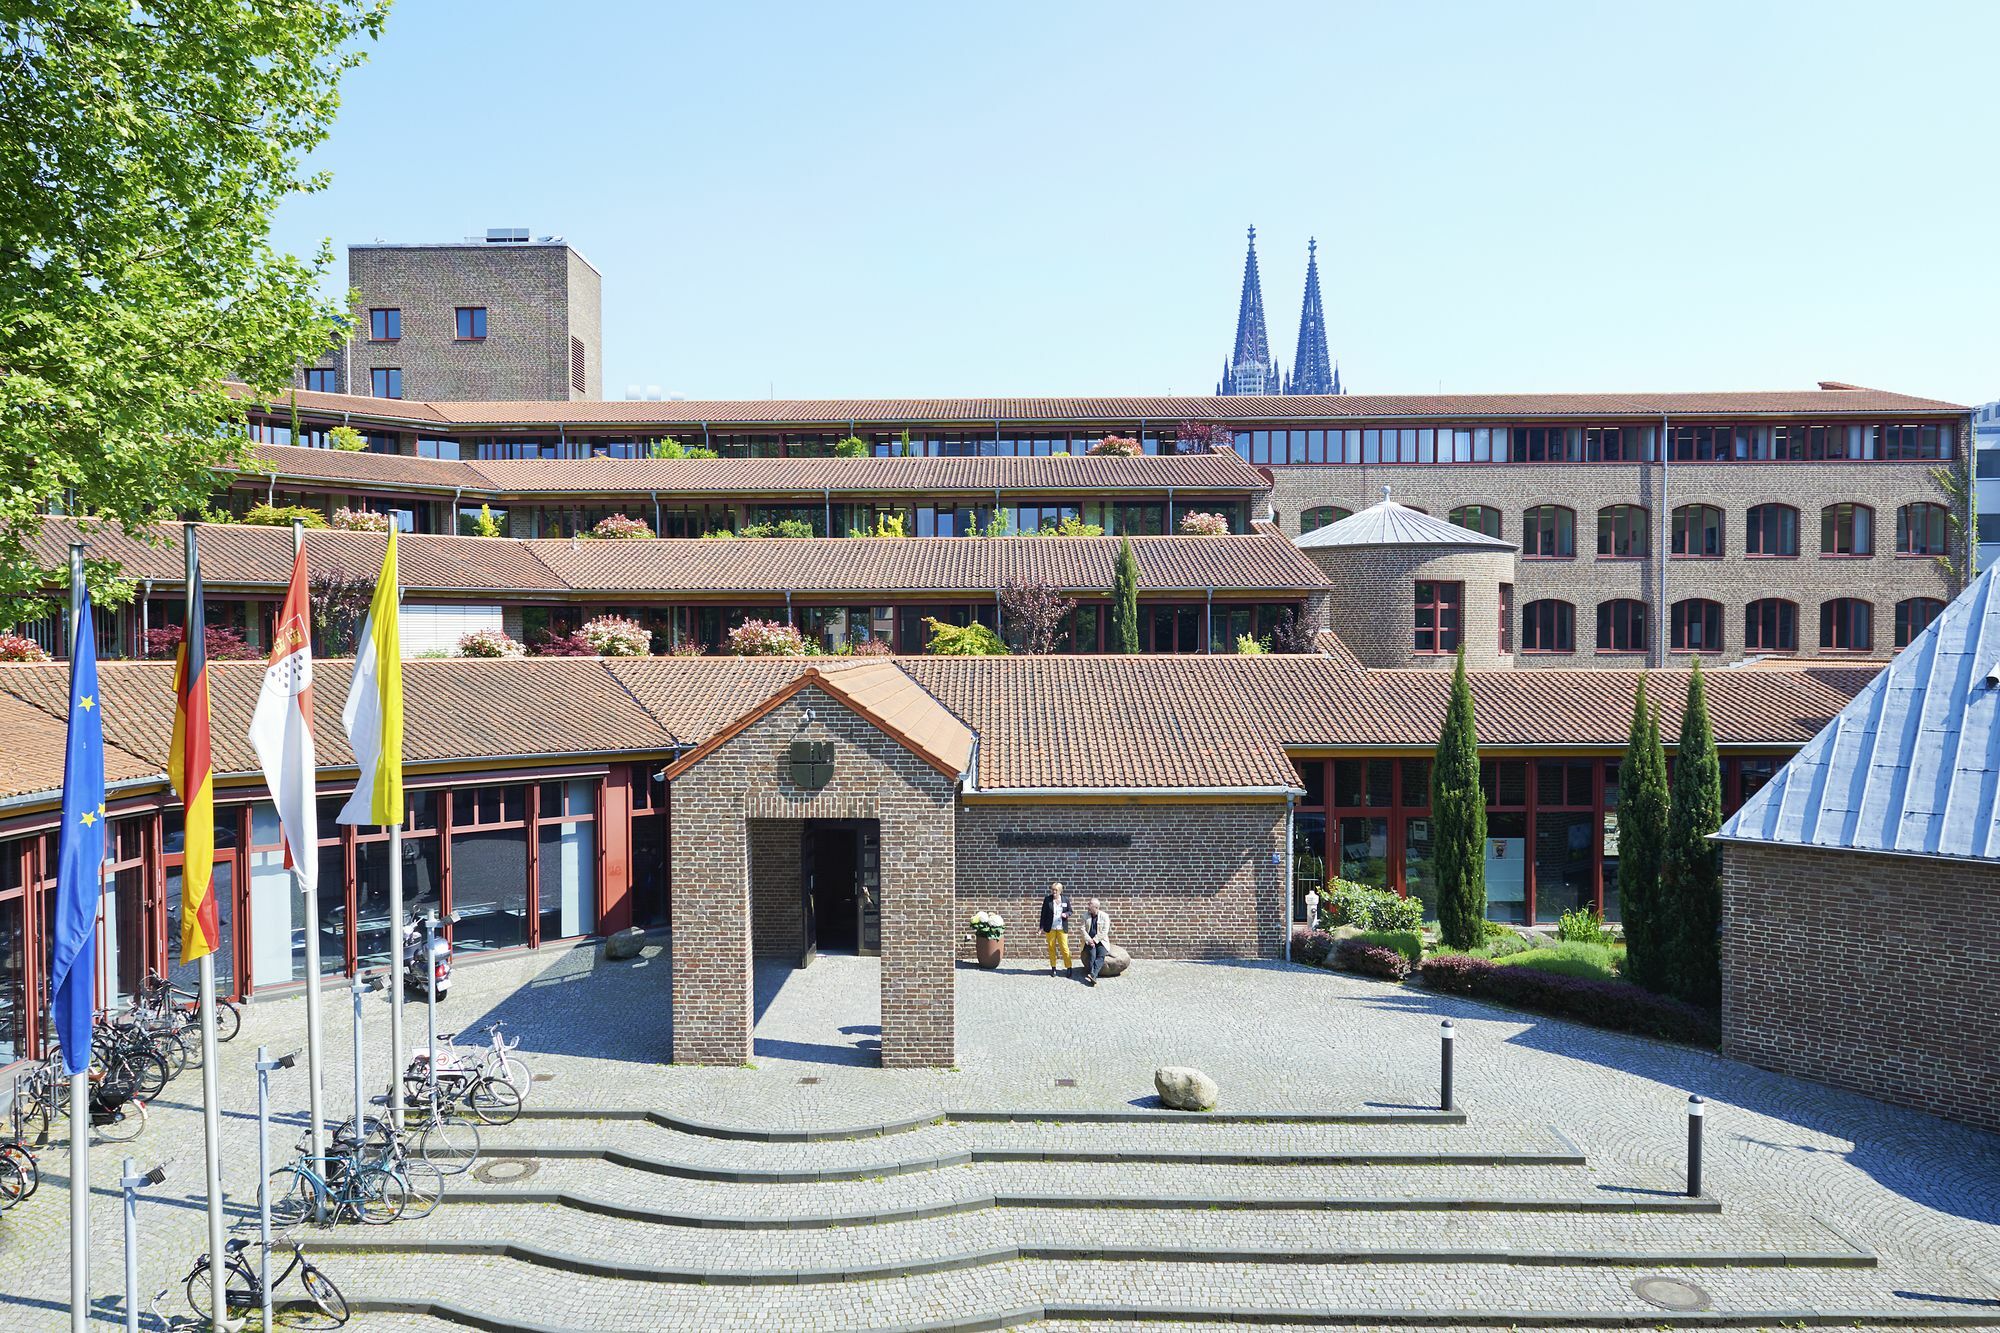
(1055, 928)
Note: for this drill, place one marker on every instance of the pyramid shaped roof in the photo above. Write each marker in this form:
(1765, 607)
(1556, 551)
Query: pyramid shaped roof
(1387, 523)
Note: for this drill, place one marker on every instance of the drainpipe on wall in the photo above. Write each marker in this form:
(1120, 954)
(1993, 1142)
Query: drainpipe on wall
(1666, 546)
(1209, 634)
(1170, 510)
(1286, 897)
(456, 491)
(145, 613)
(788, 607)
(656, 513)
(827, 498)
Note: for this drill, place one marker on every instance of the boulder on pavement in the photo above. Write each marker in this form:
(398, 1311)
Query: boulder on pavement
(623, 944)
(1116, 960)
(1184, 1089)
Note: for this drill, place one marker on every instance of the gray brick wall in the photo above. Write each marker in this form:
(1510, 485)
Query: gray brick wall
(1195, 881)
(1734, 580)
(1373, 603)
(1868, 972)
(777, 914)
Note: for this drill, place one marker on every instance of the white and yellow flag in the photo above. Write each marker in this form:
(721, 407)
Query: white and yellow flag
(374, 712)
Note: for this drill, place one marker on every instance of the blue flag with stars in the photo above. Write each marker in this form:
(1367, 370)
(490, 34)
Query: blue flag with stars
(73, 968)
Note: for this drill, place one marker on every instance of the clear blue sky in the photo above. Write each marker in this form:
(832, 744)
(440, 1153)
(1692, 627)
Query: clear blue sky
(943, 199)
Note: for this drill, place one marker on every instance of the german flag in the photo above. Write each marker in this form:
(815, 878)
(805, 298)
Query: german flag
(189, 769)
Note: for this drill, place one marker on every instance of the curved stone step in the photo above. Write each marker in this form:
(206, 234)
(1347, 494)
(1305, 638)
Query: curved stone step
(1373, 1116)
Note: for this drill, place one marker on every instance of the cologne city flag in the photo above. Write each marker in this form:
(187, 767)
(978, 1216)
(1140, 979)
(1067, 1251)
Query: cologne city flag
(281, 730)
(73, 964)
(188, 769)
(374, 712)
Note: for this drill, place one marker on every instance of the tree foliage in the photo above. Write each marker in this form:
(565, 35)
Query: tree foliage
(339, 604)
(1125, 600)
(143, 150)
(974, 640)
(1642, 838)
(1033, 614)
(1691, 866)
(1458, 818)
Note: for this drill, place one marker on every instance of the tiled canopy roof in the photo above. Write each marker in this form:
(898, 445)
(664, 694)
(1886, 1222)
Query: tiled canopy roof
(838, 413)
(1912, 764)
(1082, 723)
(246, 555)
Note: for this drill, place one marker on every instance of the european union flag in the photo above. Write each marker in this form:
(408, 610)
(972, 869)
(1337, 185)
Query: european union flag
(73, 968)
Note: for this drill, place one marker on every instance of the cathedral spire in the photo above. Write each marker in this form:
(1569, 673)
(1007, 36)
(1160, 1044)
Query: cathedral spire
(1312, 366)
(1251, 368)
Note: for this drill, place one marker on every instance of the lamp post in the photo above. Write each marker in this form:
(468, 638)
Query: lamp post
(130, 1184)
(264, 1067)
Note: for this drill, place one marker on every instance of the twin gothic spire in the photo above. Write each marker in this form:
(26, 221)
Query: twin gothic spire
(1251, 369)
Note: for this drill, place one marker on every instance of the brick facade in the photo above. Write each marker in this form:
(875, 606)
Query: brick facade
(1734, 580)
(718, 808)
(1373, 603)
(1864, 971)
(1196, 880)
(777, 913)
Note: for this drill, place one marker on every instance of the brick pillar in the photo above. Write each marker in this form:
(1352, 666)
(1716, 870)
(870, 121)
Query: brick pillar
(711, 919)
(919, 907)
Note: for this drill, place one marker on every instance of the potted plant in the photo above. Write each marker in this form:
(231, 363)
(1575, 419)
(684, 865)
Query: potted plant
(987, 928)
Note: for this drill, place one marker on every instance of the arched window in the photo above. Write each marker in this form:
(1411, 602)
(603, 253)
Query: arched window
(1771, 625)
(1846, 625)
(1548, 532)
(1696, 626)
(1621, 626)
(1771, 531)
(1698, 532)
(1847, 530)
(1548, 626)
(1922, 529)
(1479, 518)
(1319, 516)
(1913, 616)
(1621, 532)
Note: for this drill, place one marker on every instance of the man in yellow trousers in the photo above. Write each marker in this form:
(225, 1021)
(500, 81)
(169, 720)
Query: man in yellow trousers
(1055, 927)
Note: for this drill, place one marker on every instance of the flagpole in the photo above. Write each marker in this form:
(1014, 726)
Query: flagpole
(79, 1084)
(396, 933)
(315, 1091)
(211, 1124)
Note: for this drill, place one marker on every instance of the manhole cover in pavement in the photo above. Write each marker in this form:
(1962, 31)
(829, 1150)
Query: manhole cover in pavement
(541, 1078)
(1670, 1293)
(505, 1170)
(1065, 1083)
(808, 1080)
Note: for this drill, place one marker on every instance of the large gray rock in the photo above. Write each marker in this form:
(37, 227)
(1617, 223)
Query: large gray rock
(623, 944)
(1184, 1089)
(1116, 960)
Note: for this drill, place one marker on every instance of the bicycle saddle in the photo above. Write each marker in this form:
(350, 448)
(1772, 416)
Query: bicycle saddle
(235, 1246)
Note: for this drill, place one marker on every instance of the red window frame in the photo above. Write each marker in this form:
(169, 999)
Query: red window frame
(469, 316)
(1907, 625)
(1685, 518)
(1682, 617)
(378, 379)
(1934, 539)
(1477, 518)
(1548, 526)
(322, 379)
(1440, 617)
(1756, 531)
(1777, 615)
(388, 320)
(1846, 625)
(1860, 545)
(1636, 524)
(1621, 625)
(1560, 618)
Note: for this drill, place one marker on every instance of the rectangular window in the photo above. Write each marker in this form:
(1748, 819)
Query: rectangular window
(1506, 618)
(385, 326)
(386, 381)
(471, 322)
(579, 379)
(320, 379)
(1437, 617)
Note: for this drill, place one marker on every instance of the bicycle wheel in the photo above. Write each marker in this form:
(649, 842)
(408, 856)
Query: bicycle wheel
(126, 1124)
(13, 1183)
(324, 1294)
(449, 1145)
(147, 1071)
(494, 1100)
(292, 1194)
(423, 1184)
(228, 1020)
(31, 1171)
(188, 1032)
(239, 1293)
(379, 1197)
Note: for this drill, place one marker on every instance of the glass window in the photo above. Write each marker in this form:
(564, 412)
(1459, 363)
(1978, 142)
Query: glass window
(320, 379)
(1548, 626)
(1479, 518)
(1565, 864)
(489, 875)
(385, 325)
(472, 321)
(1622, 532)
(1846, 624)
(1621, 626)
(13, 966)
(1847, 530)
(1366, 783)
(1771, 625)
(1548, 532)
(1364, 850)
(566, 882)
(1771, 530)
(386, 382)
(1697, 626)
(1319, 516)
(1437, 618)
(1913, 616)
(1698, 532)
(1922, 529)
(1308, 858)
(1506, 867)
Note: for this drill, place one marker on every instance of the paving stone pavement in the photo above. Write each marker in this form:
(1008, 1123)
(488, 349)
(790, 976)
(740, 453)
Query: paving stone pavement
(1783, 1156)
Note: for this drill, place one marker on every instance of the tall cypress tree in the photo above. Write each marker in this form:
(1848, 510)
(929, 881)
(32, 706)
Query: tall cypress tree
(1125, 601)
(1691, 868)
(1642, 837)
(1458, 818)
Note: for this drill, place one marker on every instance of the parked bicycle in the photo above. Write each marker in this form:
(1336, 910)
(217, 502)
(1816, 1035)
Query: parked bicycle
(337, 1186)
(243, 1291)
(495, 1056)
(463, 1089)
(159, 995)
(17, 1154)
(117, 1112)
(379, 1144)
(443, 1139)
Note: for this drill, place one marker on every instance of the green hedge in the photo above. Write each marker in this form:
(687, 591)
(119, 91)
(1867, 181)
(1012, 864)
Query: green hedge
(1405, 942)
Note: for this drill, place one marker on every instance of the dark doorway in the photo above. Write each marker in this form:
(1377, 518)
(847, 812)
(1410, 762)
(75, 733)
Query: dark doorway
(840, 860)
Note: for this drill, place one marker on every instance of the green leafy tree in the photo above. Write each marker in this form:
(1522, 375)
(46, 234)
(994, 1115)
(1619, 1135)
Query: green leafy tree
(1642, 839)
(486, 525)
(1125, 600)
(344, 438)
(1691, 868)
(974, 640)
(853, 447)
(281, 516)
(143, 153)
(1458, 819)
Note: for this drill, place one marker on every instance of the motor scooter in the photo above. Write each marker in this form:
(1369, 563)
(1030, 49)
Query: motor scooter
(418, 969)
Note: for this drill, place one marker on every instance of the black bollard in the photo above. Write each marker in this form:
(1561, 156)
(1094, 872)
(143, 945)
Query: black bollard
(1447, 1039)
(1696, 1107)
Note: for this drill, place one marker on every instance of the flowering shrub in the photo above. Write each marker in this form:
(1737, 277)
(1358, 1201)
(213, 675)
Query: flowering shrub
(1199, 437)
(15, 648)
(1119, 446)
(572, 644)
(1351, 904)
(767, 638)
(489, 643)
(620, 525)
(988, 925)
(1198, 524)
(686, 650)
(1371, 960)
(360, 520)
(870, 648)
(1605, 1004)
(221, 643)
(615, 636)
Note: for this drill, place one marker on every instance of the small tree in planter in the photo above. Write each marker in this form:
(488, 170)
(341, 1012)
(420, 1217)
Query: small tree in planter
(221, 643)
(1116, 446)
(16, 648)
(1199, 437)
(1198, 524)
(1125, 600)
(1033, 614)
(767, 638)
(615, 636)
(974, 640)
(1458, 814)
(344, 438)
(987, 930)
(570, 643)
(1292, 633)
(621, 526)
(489, 643)
(360, 520)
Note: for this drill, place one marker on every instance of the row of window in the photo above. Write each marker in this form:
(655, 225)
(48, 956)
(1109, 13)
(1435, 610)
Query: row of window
(1770, 624)
(1741, 442)
(1548, 532)
(385, 324)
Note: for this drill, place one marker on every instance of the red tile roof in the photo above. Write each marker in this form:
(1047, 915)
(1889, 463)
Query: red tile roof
(810, 477)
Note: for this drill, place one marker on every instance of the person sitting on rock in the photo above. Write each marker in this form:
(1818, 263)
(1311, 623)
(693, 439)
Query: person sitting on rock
(1096, 935)
(1055, 928)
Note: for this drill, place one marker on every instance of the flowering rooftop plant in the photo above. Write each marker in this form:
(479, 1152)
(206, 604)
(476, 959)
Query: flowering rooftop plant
(16, 648)
(766, 638)
(1118, 445)
(1198, 524)
(988, 925)
(489, 643)
(615, 636)
(360, 520)
(620, 525)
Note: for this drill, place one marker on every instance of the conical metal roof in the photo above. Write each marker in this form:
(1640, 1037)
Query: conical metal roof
(1390, 524)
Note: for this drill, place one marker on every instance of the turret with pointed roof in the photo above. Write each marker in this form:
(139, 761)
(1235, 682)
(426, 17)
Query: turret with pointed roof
(1312, 366)
(1250, 368)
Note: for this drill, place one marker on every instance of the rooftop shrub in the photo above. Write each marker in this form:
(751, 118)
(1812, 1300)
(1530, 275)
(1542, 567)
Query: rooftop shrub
(784, 527)
(281, 516)
(1198, 524)
(767, 638)
(1117, 446)
(974, 640)
(16, 648)
(615, 636)
(358, 520)
(489, 643)
(621, 526)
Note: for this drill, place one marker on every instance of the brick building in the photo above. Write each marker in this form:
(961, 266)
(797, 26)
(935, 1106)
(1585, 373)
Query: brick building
(499, 317)
(1859, 885)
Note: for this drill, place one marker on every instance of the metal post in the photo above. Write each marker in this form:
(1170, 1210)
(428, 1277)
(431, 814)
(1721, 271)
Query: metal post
(1696, 1109)
(360, 1101)
(263, 1178)
(1448, 1036)
(211, 1137)
(130, 1184)
(315, 1049)
(79, 1084)
(431, 989)
(396, 975)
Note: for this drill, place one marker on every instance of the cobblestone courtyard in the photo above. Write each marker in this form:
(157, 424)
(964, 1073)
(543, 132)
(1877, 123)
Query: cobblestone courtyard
(1569, 1161)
